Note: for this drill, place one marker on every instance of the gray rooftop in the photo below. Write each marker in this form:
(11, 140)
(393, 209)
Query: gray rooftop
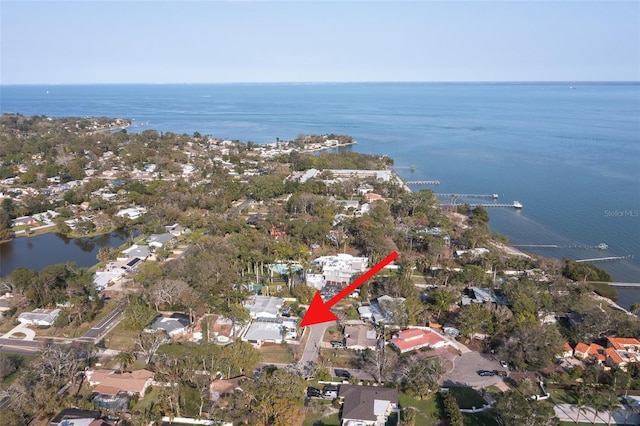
(366, 402)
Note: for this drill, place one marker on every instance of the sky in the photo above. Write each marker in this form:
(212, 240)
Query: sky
(89, 42)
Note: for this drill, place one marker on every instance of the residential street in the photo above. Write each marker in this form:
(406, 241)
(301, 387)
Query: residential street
(314, 340)
(104, 325)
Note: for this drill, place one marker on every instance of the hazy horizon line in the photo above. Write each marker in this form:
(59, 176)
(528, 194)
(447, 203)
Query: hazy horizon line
(331, 82)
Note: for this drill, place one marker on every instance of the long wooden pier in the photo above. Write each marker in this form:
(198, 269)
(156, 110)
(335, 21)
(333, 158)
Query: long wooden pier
(601, 246)
(629, 285)
(604, 259)
(491, 196)
(514, 205)
(422, 182)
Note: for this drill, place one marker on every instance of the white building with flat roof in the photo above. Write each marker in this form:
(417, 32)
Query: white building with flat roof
(338, 269)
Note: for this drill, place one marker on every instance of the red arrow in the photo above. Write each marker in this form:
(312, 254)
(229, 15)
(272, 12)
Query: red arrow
(319, 312)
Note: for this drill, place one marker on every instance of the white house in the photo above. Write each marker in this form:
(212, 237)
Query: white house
(264, 306)
(339, 269)
(42, 317)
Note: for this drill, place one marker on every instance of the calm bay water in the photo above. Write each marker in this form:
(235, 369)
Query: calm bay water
(47, 249)
(568, 151)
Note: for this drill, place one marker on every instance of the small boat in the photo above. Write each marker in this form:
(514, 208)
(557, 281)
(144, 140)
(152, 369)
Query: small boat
(494, 196)
(602, 246)
(517, 205)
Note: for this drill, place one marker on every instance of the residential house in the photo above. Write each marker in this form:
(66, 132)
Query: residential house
(139, 251)
(264, 306)
(24, 220)
(110, 382)
(131, 212)
(484, 295)
(366, 405)
(271, 330)
(75, 416)
(360, 337)
(365, 313)
(174, 327)
(41, 317)
(5, 302)
(593, 352)
(621, 351)
(175, 229)
(339, 269)
(473, 253)
(157, 241)
(567, 351)
(417, 338)
(277, 231)
(224, 388)
(372, 197)
(347, 204)
(388, 309)
(364, 188)
(102, 279)
(624, 344)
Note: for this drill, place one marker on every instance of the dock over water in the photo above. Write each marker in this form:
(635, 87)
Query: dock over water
(628, 285)
(423, 182)
(603, 259)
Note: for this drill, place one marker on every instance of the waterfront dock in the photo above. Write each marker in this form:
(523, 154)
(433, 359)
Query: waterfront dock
(604, 259)
(514, 205)
(490, 196)
(627, 285)
(601, 246)
(423, 182)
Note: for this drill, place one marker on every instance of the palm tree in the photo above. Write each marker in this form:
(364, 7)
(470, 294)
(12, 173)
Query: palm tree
(124, 359)
(629, 408)
(581, 400)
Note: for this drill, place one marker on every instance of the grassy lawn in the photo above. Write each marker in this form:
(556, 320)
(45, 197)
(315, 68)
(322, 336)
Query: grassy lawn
(332, 333)
(313, 419)
(340, 358)
(119, 338)
(479, 419)
(149, 399)
(563, 396)
(277, 354)
(467, 397)
(430, 407)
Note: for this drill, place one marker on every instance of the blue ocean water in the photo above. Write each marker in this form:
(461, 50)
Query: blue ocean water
(570, 152)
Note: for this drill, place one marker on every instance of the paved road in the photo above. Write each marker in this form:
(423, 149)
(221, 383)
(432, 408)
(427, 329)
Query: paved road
(23, 347)
(314, 341)
(464, 372)
(104, 325)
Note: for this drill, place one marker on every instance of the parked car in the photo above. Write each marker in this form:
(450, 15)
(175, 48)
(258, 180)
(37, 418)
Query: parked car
(330, 392)
(504, 364)
(485, 373)
(342, 373)
(500, 373)
(313, 392)
(336, 344)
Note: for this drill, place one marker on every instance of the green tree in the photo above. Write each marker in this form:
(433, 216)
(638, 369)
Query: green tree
(124, 359)
(137, 315)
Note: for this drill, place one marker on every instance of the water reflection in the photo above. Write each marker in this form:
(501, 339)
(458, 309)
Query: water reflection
(42, 250)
